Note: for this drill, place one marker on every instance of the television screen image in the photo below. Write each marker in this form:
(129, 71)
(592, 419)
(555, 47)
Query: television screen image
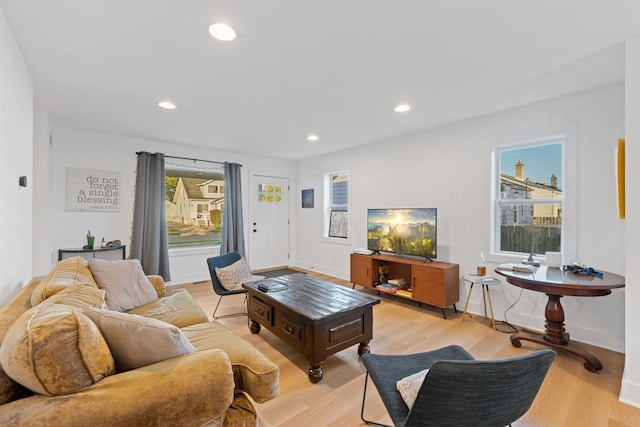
(403, 231)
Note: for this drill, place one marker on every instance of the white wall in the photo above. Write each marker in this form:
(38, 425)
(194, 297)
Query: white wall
(16, 159)
(450, 169)
(88, 150)
(630, 392)
(42, 195)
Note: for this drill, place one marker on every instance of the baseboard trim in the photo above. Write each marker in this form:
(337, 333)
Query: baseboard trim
(630, 393)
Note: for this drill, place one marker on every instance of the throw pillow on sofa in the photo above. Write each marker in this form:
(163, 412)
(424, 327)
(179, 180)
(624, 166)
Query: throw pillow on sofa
(55, 350)
(68, 272)
(137, 341)
(233, 276)
(124, 282)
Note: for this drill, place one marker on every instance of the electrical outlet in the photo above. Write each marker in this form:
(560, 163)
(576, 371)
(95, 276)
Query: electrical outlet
(581, 305)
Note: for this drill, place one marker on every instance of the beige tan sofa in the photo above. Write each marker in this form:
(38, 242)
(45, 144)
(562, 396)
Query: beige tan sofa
(71, 380)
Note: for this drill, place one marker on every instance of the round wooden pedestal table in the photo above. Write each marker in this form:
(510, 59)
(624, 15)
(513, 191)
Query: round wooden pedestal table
(556, 283)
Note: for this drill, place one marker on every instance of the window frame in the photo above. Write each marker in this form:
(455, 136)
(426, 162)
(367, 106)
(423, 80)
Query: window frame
(178, 170)
(330, 207)
(566, 135)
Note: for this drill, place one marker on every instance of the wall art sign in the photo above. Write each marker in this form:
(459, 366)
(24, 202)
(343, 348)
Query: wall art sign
(91, 190)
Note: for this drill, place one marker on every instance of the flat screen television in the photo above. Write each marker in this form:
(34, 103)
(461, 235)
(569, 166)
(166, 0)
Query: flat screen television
(410, 231)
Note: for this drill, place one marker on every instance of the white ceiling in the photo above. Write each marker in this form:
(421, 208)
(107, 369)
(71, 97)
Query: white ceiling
(336, 68)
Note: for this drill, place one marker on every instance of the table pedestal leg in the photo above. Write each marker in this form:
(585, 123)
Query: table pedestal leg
(556, 337)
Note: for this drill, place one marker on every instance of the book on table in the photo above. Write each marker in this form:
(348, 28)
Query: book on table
(390, 288)
(519, 268)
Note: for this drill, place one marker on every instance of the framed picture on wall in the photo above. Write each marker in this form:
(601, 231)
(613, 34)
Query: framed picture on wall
(307, 198)
(338, 224)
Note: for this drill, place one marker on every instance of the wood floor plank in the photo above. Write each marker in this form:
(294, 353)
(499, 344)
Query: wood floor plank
(570, 395)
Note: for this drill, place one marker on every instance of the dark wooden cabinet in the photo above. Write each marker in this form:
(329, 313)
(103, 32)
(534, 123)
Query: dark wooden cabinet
(112, 253)
(433, 283)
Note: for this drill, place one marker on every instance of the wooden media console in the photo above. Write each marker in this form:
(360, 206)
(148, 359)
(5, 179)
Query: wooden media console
(433, 283)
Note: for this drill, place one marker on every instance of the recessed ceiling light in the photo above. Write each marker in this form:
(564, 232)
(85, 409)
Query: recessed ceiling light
(222, 32)
(402, 108)
(312, 138)
(167, 105)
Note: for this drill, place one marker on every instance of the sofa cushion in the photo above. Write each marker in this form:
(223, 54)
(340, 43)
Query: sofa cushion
(233, 276)
(241, 412)
(137, 341)
(78, 296)
(55, 350)
(124, 282)
(179, 309)
(253, 372)
(68, 272)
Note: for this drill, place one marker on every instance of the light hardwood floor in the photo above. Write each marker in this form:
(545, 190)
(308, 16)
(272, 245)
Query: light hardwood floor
(570, 395)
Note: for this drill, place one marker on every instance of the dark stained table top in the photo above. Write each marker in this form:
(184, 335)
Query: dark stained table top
(557, 282)
(310, 297)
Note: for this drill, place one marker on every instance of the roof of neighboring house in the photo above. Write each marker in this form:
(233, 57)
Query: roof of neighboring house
(515, 182)
(192, 187)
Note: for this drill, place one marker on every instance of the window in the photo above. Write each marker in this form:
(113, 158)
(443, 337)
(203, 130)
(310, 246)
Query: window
(193, 202)
(215, 189)
(529, 197)
(337, 213)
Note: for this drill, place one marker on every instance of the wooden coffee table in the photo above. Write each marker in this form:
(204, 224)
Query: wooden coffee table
(315, 317)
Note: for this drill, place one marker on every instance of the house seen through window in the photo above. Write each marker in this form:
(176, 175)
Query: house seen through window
(529, 198)
(193, 202)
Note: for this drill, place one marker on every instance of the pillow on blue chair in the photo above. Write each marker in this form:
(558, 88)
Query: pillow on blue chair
(233, 276)
(410, 385)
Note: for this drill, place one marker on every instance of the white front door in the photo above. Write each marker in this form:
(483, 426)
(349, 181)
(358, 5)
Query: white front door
(269, 222)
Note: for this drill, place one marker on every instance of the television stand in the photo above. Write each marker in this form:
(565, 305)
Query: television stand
(434, 283)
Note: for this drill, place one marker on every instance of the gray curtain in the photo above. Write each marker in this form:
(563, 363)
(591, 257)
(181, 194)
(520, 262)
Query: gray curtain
(149, 242)
(232, 231)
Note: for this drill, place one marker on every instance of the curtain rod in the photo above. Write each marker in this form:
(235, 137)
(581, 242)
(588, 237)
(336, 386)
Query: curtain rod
(190, 158)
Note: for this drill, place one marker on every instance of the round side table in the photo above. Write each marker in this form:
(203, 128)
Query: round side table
(484, 281)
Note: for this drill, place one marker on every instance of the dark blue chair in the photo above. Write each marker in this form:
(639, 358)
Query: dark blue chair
(458, 390)
(220, 262)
